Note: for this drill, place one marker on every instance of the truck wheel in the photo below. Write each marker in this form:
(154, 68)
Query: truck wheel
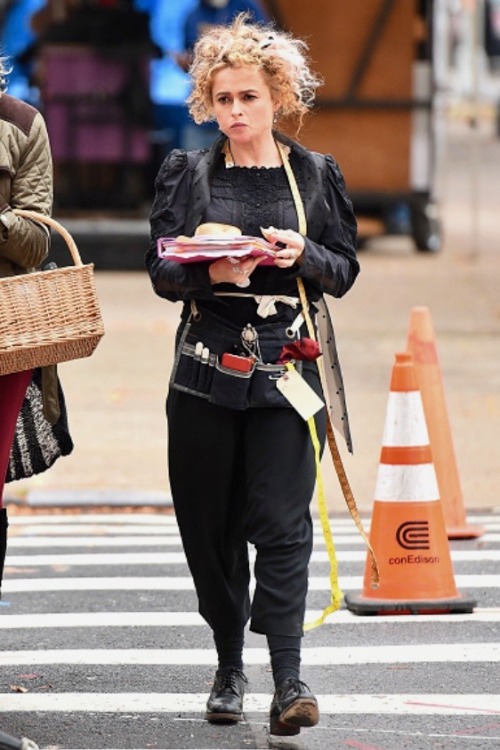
(426, 227)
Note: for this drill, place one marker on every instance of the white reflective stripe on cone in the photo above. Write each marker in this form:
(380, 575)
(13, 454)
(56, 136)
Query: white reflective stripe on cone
(406, 483)
(405, 422)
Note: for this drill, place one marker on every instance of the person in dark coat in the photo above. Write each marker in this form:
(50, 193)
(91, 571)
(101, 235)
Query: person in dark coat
(241, 460)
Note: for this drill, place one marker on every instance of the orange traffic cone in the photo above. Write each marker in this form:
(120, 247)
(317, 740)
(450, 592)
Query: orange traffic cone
(407, 531)
(421, 344)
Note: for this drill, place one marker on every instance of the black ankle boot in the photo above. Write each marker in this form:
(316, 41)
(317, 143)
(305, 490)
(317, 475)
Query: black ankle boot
(225, 703)
(3, 542)
(293, 707)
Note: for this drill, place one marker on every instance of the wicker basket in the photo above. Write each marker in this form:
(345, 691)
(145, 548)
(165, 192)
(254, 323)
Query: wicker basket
(48, 316)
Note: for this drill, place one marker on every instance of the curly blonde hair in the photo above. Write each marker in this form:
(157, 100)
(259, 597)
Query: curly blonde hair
(282, 58)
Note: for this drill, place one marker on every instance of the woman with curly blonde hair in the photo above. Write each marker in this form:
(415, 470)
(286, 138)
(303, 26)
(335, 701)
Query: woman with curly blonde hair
(281, 58)
(241, 460)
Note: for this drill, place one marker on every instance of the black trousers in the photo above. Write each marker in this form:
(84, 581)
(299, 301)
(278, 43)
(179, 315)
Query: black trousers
(238, 477)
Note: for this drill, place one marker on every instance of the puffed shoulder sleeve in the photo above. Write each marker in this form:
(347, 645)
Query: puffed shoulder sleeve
(330, 263)
(171, 280)
(337, 188)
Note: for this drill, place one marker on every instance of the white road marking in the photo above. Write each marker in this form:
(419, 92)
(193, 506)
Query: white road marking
(178, 558)
(77, 518)
(41, 542)
(193, 619)
(430, 704)
(82, 516)
(105, 531)
(146, 537)
(319, 656)
(185, 583)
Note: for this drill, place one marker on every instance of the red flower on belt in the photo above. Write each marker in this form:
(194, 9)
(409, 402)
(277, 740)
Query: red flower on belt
(304, 349)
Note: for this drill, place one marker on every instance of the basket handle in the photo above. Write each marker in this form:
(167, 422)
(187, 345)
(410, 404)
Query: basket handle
(55, 225)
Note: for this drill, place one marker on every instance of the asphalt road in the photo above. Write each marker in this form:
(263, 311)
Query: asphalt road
(102, 647)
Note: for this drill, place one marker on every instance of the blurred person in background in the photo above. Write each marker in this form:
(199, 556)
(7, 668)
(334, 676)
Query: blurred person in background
(200, 19)
(209, 13)
(16, 39)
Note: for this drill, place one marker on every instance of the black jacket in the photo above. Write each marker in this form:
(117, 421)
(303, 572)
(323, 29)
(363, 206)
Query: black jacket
(183, 193)
(329, 263)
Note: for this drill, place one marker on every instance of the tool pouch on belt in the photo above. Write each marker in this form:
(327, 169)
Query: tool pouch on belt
(198, 368)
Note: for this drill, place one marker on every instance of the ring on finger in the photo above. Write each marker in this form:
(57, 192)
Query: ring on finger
(236, 268)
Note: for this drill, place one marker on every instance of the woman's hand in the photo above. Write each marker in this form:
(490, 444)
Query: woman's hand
(289, 245)
(233, 270)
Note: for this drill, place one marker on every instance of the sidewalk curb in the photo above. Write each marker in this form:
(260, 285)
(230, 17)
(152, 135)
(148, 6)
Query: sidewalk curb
(95, 498)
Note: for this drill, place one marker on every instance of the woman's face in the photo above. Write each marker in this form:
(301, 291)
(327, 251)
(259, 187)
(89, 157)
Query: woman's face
(242, 103)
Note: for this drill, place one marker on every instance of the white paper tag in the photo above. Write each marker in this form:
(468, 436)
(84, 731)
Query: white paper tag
(300, 394)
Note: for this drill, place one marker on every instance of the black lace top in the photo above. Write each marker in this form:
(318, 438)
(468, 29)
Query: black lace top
(251, 197)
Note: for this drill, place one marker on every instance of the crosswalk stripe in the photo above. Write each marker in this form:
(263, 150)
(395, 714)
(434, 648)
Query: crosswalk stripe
(77, 518)
(179, 558)
(41, 542)
(193, 619)
(156, 517)
(173, 540)
(109, 530)
(158, 523)
(158, 539)
(131, 519)
(120, 583)
(55, 531)
(401, 704)
(118, 558)
(185, 583)
(318, 656)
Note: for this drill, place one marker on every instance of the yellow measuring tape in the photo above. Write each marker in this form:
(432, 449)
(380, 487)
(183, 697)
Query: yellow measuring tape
(336, 593)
